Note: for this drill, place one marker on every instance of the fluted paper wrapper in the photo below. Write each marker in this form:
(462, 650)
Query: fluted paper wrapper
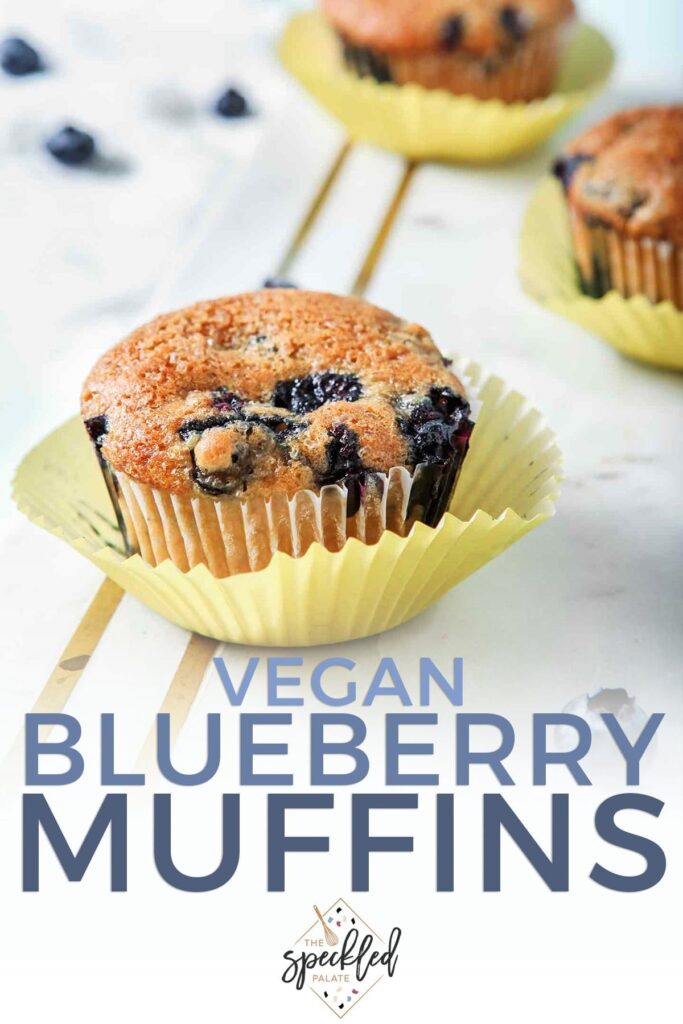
(507, 486)
(642, 329)
(237, 535)
(427, 124)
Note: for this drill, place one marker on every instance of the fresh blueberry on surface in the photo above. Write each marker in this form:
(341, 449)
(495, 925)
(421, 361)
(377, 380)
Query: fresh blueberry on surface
(71, 146)
(226, 401)
(17, 57)
(232, 104)
(512, 20)
(278, 282)
(452, 31)
(565, 167)
(305, 394)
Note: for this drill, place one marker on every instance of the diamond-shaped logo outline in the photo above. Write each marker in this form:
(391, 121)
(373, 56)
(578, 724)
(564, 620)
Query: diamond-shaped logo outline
(355, 917)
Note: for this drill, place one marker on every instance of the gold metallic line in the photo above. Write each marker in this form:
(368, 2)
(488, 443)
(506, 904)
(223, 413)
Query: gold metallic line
(71, 665)
(360, 285)
(181, 694)
(79, 649)
(314, 209)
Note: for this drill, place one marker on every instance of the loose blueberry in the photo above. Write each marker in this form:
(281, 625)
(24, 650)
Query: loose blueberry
(512, 20)
(232, 104)
(71, 146)
(305, 394)
(452, 30)
(565, 167)
(278, 282)
(17, 57)
(226, 401)
(97, 427)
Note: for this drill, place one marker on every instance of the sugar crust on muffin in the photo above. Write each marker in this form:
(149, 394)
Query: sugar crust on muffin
(272, 390)
(627, 173)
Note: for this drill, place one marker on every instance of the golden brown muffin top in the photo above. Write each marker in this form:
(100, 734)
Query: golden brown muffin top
(272, 390)
(475, 26)
(627, 173)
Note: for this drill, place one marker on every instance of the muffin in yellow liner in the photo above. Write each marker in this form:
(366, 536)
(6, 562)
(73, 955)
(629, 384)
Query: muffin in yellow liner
(427, 124)
(652, 333)
(507, 487)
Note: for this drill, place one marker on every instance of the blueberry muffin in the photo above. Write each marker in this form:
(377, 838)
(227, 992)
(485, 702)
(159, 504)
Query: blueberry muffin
(623, 181)
(266, 421)
(483, 48)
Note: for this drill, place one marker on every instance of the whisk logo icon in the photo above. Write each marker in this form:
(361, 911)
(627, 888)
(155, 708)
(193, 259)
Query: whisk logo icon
(340, 957)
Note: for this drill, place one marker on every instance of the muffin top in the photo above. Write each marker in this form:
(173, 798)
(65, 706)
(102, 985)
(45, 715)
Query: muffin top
(627, 173)
(474, 26)
(278, 389)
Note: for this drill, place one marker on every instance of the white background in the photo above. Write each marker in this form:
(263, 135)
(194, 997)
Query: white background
(591, 600)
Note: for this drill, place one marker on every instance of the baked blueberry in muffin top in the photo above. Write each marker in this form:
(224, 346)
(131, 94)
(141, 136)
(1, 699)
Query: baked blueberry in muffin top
(275, 390)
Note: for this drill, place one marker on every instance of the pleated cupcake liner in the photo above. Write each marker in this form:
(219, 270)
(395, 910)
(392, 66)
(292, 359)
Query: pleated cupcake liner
(507, 487)
(651, 332)
(608, 260)
(424, 124)
(236, 535)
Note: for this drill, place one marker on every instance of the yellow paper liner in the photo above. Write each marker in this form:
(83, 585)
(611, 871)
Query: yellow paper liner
(641, 329)
(507, 486)
(427, 124)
